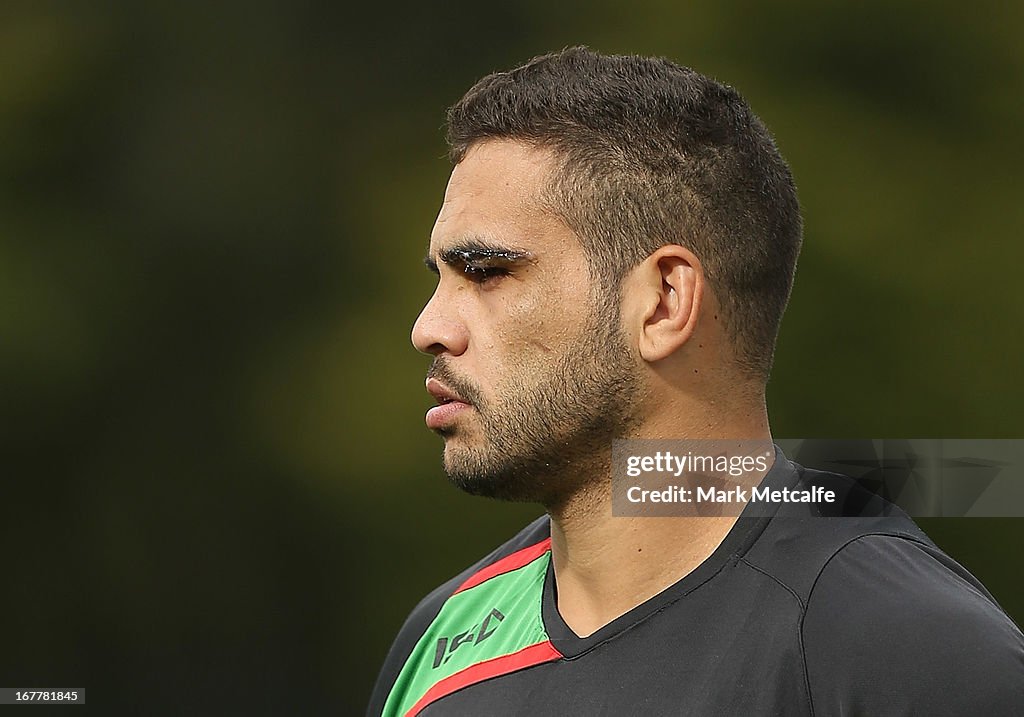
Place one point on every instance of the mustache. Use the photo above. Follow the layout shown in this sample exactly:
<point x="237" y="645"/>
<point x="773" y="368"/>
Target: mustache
<point x="443" y="372"/>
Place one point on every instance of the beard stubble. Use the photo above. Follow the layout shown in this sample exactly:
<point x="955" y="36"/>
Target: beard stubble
<point x="549" y="434"/>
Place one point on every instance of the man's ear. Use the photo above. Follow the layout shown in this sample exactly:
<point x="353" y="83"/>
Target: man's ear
<point x="665" y="293"/>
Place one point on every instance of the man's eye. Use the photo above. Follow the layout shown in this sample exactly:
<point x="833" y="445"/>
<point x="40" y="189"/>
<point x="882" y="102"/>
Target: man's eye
<point x="480" y="274"/>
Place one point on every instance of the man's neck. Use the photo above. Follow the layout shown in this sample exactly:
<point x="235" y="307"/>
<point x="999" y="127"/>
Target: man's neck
<point x="606" y="565"/>
<point x="605" y="569"/>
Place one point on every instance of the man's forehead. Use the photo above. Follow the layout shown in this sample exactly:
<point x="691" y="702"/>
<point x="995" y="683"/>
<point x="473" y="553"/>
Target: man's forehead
<point x="494" y="196"/>
<point x="499" y="174"/>
<point x="506" y="159"/>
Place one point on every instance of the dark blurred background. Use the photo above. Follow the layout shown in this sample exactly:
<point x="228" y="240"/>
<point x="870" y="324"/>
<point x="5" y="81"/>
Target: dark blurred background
<point x="218" y="493"/>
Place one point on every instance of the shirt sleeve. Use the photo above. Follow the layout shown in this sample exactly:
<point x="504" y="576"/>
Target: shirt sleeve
<point x="896" y="627"/>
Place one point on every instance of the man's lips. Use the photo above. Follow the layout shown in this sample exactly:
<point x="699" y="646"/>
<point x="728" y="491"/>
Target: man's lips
<point x="442" y="393"/>
<point x="450" y="404"/>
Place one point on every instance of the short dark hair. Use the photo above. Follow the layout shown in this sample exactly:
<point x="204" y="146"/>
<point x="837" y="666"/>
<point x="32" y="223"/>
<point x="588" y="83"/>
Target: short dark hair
<point x="650" y="153"/>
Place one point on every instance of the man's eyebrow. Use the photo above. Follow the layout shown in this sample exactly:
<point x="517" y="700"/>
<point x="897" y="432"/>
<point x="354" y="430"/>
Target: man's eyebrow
<point x="477" y="251"/>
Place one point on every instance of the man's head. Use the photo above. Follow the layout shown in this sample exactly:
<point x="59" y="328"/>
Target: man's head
<point x="574" y="174"/>
<point x="539" y="377"/>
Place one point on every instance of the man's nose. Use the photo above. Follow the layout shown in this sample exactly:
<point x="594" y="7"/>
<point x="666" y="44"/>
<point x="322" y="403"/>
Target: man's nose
<point x="438" y="330"/>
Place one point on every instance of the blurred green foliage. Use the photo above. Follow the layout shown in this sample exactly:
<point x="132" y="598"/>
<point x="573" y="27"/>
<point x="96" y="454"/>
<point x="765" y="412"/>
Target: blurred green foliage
<point x="218" y="494"/>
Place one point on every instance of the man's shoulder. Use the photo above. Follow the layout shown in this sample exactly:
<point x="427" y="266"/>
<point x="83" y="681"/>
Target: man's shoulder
<point x="532" y="540"/>
<point x="888" y="621"/>
<point x="534" y="537"/>
<point x="896" y="623"/>
<point x="528" y="544"/>
<point x="799" y="541"/>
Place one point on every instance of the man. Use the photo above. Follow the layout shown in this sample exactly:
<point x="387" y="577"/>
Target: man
<point x="615" y="250"/>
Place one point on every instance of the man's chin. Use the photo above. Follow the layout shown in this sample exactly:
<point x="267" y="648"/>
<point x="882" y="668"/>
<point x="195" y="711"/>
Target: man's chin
<point x="494" y="486"/>
<point x="461" y="463"/>
<point x="500" y="478"/>
<point x="470" y="472"/>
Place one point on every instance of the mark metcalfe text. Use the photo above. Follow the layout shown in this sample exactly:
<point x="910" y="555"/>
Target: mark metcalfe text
<point x="678" y="494"/>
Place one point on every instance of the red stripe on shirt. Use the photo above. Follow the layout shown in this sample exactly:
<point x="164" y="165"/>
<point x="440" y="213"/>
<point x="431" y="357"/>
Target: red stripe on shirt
<point x="507" y="564"/>
<point x="495" y="667"/>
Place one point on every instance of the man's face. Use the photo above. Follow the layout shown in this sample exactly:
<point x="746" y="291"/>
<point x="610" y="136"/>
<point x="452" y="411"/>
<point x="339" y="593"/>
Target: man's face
<point x="531" y="371"/>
